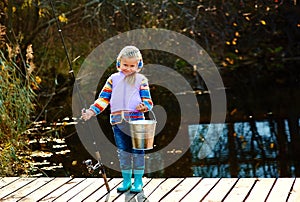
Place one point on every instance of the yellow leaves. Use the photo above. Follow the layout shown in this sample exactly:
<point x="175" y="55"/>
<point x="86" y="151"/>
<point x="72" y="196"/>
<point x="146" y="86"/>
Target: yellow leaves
<point x="229" y="60"/>
<point x="263" y="22"/>
<point x="2" y="30"/>
<point x="63" y="18"/>
<point x="2" y="35"/>
<point x="234" y="41"/>
<point x="233" y="111"/>
<point x="13" y="51"/>
<point x="224" y="64"/>
<point x="34" y="85"/>
<point x="29" y="53"/>
<point x="42" y="12"/>
<point x="26" y="3"/>
<point x="38" y="79"/>
<point x="29" y="59"/>
<point x="246" y="15"/>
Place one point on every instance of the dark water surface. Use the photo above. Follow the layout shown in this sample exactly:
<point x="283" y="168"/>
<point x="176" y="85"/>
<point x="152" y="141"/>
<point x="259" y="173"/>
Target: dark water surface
<point x="243" y="149"/>
<point x="259" y="139"/>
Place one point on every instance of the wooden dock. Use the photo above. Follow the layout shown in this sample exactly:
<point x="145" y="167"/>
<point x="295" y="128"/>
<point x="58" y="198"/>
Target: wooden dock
<point x="155" y="189"/>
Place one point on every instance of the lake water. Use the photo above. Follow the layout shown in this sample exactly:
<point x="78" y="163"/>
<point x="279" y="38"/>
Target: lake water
<point x="240" y="149"/>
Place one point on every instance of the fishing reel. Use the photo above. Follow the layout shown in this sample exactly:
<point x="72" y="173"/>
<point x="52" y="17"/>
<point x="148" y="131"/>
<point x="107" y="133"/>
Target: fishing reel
<point x="90" y="167"/>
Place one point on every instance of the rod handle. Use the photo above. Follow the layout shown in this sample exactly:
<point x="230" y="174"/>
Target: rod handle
<point x="98" y="156"/>
<point x="106" y="182"/>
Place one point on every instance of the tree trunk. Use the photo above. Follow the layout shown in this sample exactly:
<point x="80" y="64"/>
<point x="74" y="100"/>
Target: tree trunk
<point x="282" y="144"/>
<point x="232" y="151"/>
<point x="295" y="139"/>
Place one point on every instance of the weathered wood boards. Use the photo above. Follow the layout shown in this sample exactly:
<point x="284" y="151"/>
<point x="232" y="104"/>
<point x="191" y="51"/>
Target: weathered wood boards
<point x="155" y="189"/>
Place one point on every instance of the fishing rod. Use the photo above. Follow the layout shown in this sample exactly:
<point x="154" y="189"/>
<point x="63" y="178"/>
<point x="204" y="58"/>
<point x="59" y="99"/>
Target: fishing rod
<point x="89" y="163"/>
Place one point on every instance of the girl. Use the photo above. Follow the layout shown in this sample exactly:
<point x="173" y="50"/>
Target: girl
<point x="128" y="94"/>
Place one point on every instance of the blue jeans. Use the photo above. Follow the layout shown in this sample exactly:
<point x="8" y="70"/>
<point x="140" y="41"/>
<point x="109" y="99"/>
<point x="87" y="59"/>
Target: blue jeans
<point x="129" y="158"/>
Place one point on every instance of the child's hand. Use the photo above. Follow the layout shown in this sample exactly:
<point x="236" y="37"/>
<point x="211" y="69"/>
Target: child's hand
<point x="87" y="114"/>
<point x="141" y="107"/>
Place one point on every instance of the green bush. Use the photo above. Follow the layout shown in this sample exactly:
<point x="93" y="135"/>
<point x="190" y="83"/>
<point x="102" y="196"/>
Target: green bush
<point x="16" y="106"/>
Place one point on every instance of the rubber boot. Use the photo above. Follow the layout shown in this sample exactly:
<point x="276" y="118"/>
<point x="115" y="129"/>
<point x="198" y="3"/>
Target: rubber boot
<point x="126" y="184"/>
<point x="138" y="182"/>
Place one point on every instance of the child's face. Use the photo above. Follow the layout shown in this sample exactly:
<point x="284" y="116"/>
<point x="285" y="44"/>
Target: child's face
<point x="129" y="65"/>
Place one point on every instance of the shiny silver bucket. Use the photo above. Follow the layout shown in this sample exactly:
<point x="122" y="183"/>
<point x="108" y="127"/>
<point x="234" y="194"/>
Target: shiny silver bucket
<point x="142" y="133"/>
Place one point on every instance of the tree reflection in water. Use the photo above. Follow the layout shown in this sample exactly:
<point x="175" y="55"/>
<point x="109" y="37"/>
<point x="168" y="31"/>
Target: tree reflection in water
<point x="244" y="149"/>
<point x="238" y="149"/>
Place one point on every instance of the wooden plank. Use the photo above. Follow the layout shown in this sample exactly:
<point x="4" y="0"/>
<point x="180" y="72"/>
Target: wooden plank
<point x="281" y="190"/>
<point x="46" y="189"/>
<point x="164" y="188"/>
<point x="160" y="189"/>
<point x="102" y="192"/>
<point x="12" y="187"/>
<point x="240" y="190"/>
<point x="198" y="192"/>
<point x="147" y="190"/>
<point x="152" y="185"/>
<point x="89" y="190"/>
<point x="113" y="193"/>
<point x="295" y="192"/>
<point x="127" y="196"/>
<point x="29" y="188"/>
<point x="62" y="189"/>
<point x="4" y="181"/>
<point x="261" y="189"/>
<point x="182" y="189"/>
<point x="221" y="189"/>
<point x="75" y="190"/>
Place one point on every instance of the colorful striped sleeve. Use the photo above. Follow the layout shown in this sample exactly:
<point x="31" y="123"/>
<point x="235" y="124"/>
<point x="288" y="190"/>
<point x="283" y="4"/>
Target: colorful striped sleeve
<point x="145" y="94"/>
<point x="104" y="98"/>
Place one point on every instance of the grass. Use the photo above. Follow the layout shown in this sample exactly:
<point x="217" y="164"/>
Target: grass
<point x="16" y="107"/>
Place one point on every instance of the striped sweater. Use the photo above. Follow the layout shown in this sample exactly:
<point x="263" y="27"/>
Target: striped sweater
<point x="106" y="97"/>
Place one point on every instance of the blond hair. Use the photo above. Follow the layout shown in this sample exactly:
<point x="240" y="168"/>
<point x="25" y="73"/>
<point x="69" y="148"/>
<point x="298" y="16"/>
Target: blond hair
<point x="130" y="52"/>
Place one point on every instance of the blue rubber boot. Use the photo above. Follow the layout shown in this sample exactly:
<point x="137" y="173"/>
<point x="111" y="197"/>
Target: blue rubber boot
<point x="138" y="182"/>
<point x="126" y="184"/>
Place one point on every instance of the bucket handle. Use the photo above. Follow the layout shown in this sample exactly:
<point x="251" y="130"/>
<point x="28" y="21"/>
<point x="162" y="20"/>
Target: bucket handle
<point x="153" y="115"/>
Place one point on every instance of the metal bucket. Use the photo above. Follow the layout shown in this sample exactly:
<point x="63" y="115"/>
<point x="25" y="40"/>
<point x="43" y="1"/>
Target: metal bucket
<point x="142" y="133"/>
